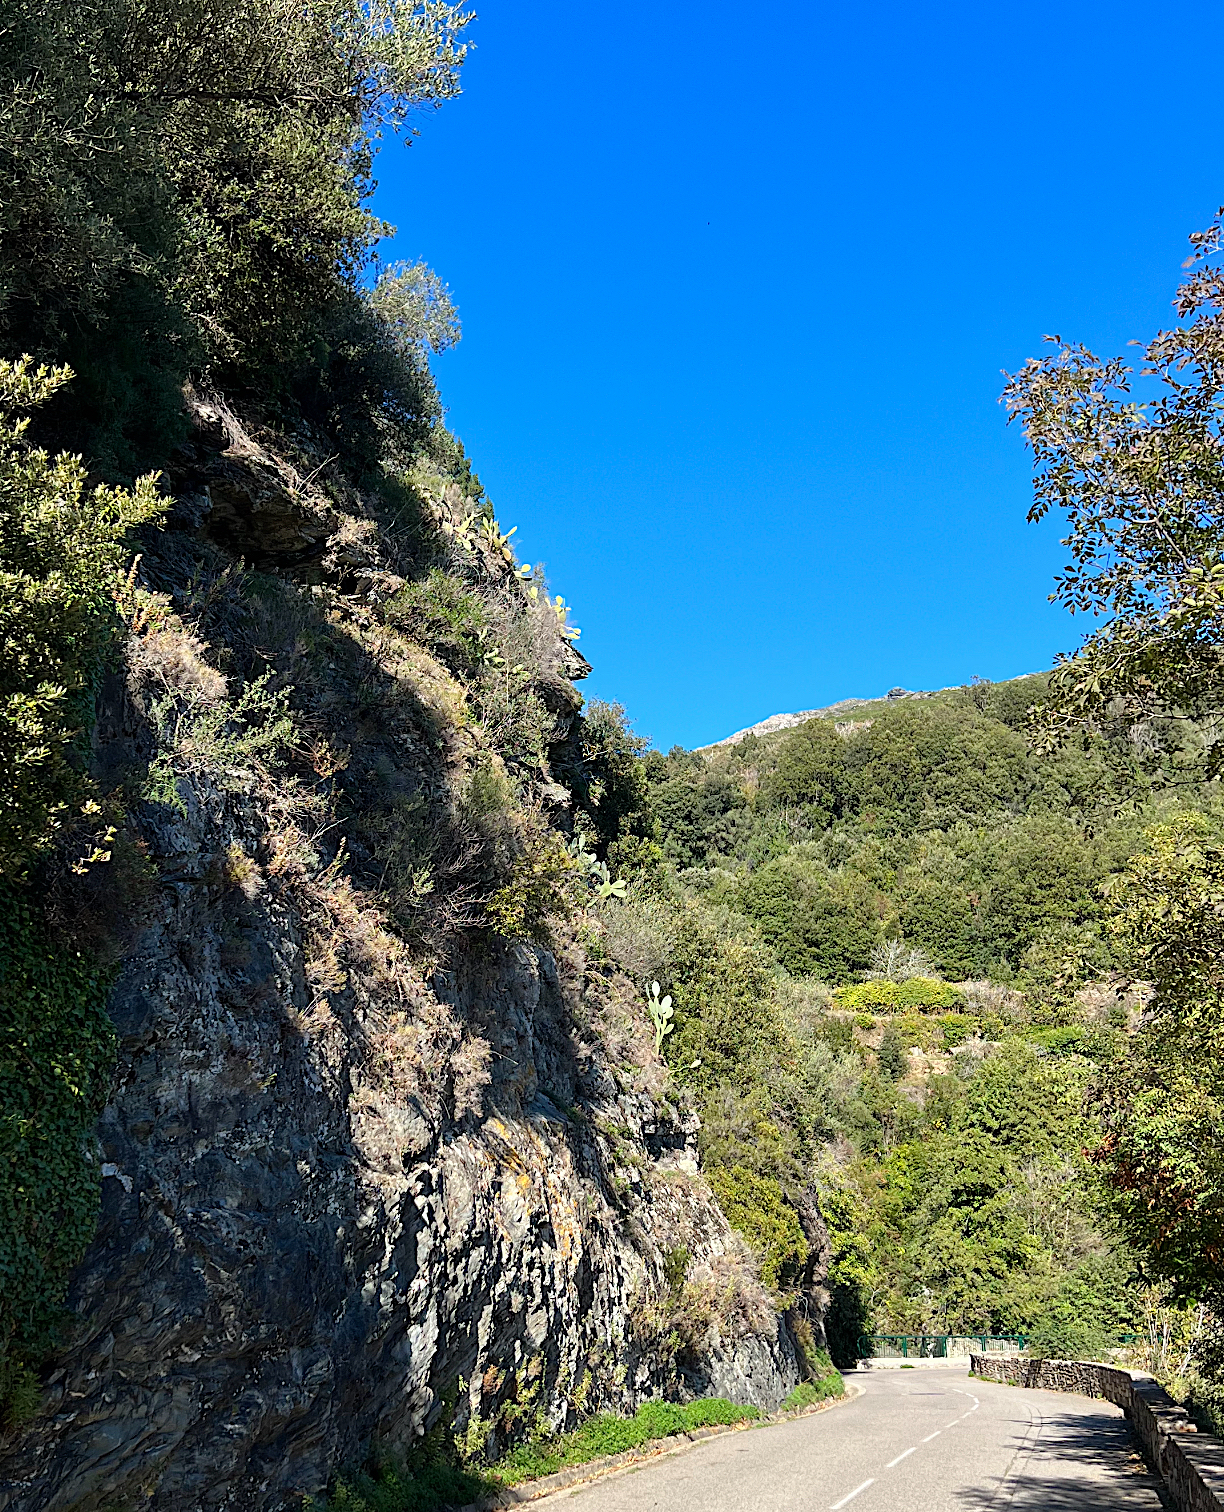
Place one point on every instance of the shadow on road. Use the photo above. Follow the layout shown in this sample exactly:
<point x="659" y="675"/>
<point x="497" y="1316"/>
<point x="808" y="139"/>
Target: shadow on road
<point x="1082" y="1462"/>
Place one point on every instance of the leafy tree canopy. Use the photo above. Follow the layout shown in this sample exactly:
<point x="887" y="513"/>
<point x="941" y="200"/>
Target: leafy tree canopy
<point x="1140" y="481"/>
<point x="182" y="187"/>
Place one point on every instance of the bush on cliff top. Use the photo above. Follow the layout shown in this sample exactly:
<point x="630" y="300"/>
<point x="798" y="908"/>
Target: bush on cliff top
<point x="183" y="186"/>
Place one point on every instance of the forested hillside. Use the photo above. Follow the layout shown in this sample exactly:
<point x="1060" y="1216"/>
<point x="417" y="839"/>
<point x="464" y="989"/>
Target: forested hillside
<point x="959" y="954"/>
<point x="887" y="941"/>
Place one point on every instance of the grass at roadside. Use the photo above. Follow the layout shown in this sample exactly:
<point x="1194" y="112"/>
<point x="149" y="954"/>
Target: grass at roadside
<point x="808" y="1393"/>
<point x="608" y="1434"/>
<point x="429" y="1481"/>
<point x="422" y="1486"/>
<point x="401" y="1488"/>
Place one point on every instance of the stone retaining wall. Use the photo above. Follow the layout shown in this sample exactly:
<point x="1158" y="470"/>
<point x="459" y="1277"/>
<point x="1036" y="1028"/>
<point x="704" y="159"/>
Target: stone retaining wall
<point x="1190" y="1463"/>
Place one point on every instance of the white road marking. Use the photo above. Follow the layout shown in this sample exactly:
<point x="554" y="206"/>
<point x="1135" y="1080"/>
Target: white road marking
<point x="904" y="1455"/>
<point x="930" y="1436"/>
<point x="853" y="1494"/>
<point x="976" y="1404"/>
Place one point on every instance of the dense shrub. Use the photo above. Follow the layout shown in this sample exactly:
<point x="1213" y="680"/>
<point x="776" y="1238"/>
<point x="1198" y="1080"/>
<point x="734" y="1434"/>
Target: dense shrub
<point x="888" y="997"/>
<point x="940" y="919"/>
<point x="755" y="1205"/>
<point x="810" y="772"/>
<point x="1048" y="875"/>
<point x="891" y="1054"/>
<point x="729" y="1032"/>
<point x="933" y="756"/>
<point x="957" y="1028"/>
<point x="1080" y="1319"/>
<point x="1011" y="702"/>
<point x="417" y="1487"/>
<point x="61" y="547"/>
<point x="826" y="1384"/>
<point x="534" y="895"/>
<point x="699" y="819"/>
<point x="444" y="615"/>
<point x="56" y="1057"/>
<point x="185" y="185"/>
<point x="819" y="923"/>
<point x="602" y="767"/>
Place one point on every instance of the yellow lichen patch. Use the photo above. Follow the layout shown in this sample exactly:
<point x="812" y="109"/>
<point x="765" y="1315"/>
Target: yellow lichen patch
<point x="560" y="1187"/>
<point x="503" y="1147"/>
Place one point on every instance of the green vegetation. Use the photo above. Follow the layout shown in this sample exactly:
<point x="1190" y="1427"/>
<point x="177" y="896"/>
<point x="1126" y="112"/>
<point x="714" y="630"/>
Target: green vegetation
<point x="809" y="1393"/>
<point x="900" y="985"/>
<point x="425" y="1482"/>
<point x="883" y="996"/>
<point x="183" y="190"/>
<point x="61" y="549"/>
<point x="755" y="1204"/>
<point x="424" y="1485"/>
<point x="944" y="974"/>
<point x="1167" y="1097"/>
<point x="1142" y="488"/>
<point x="606" y="1433"/>
<point x="182" y="201"/>
<point x="825" y="1383"/>
<point x="56" y="1056"/>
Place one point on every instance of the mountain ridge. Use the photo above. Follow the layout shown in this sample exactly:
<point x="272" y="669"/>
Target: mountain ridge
<point x="777" y="722"/>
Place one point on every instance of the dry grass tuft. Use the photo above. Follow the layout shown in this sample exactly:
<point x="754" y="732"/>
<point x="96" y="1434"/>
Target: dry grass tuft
<point x="173" y="661"/>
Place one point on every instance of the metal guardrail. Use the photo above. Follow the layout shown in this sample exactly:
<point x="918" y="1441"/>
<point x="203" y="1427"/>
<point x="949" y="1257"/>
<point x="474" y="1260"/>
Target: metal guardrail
<point x="942" y="1346"/>
<point x="936" y="1346"/>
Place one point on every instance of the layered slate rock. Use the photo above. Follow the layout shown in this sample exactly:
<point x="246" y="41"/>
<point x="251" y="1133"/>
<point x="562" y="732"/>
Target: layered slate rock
<point x="345" y="1204"/>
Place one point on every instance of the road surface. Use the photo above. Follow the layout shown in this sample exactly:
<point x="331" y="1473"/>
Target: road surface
<point x="916" y="1441"/>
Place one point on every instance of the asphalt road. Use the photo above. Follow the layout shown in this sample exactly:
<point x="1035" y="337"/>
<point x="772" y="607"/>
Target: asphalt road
<point x="916" y="1441"/>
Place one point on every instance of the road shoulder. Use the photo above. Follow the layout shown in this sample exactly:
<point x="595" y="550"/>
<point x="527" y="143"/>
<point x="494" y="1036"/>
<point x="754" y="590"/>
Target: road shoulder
<point x="657" y="1449"/>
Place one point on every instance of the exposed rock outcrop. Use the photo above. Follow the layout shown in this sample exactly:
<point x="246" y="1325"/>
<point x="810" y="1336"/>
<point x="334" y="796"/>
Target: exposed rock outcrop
<point x="843" y="706"/>
<point x="341" y="1195"/>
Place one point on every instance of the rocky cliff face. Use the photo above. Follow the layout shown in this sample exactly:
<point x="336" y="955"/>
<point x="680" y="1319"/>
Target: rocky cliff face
<point x="353" y="1179"/>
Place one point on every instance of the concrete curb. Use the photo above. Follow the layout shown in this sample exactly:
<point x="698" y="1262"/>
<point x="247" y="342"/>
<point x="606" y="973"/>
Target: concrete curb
<point x="598" y="1469"/>
<point x="948" y="1362"/>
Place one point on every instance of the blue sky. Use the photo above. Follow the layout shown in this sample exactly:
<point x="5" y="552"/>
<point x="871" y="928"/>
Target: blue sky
<point x="737" y="284"/>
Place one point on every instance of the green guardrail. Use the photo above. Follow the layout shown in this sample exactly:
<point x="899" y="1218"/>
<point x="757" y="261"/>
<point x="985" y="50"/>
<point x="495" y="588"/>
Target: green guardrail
<point x="941" y="1346"/>
<point x="935" y="1346"/>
